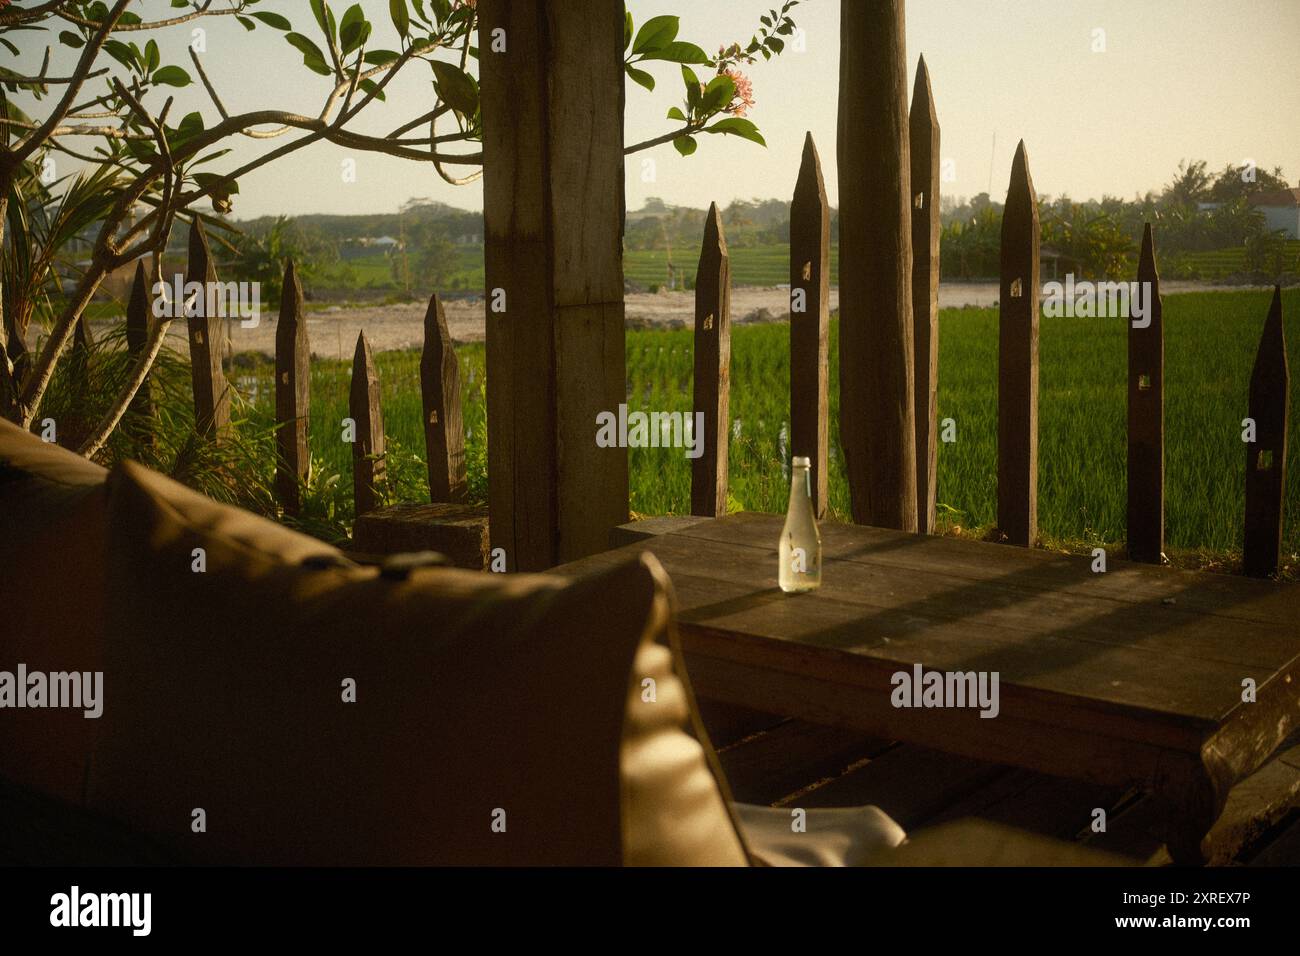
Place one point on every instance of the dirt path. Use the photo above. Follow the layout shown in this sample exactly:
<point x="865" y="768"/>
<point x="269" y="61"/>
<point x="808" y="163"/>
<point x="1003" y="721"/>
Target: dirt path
<point x="333" y="331"/>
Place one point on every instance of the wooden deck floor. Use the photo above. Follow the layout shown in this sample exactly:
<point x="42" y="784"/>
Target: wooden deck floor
<point x="781" y="761"/>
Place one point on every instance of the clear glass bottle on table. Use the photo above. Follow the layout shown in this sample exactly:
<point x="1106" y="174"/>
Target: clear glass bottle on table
<point x="801" y="542"/>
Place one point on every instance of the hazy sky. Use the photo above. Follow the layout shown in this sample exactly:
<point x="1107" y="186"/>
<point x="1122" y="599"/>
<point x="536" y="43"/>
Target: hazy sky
<point x="1178" y="79"/>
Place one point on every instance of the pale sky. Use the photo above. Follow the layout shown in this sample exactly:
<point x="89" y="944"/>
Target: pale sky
<point x="1179" y="79"/>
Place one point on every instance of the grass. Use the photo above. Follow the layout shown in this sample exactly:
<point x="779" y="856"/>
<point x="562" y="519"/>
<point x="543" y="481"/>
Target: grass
<point x="1210" y="344"/>
<point x="1210" y="338"/>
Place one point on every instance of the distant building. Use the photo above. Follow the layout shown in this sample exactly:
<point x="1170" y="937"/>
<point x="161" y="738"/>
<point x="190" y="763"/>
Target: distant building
<point x="1281" y="209"/>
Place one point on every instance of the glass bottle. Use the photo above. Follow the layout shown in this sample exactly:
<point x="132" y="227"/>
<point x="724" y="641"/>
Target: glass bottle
<point x="801" y="543"/>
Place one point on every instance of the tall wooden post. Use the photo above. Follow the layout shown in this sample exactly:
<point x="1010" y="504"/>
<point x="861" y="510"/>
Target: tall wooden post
<point x="810" y="278"/>
<point x="1018" y="359"/>
<point x="1146" y="413"/>
<point x="1270" y="388"/>
<point x="877" y="417"/>
<point x="552" y="101"/>
<point x="444" y="432"/>
<point x="923" y="129"/>
<point x="207" y="340"/>
<point x="367" y="414"/>
<point x="712" y="379"/>
<point x="292" y="393"/>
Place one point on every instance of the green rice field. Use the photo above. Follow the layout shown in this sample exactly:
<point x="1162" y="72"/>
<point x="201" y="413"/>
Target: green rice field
<point x="1210" y="344"/>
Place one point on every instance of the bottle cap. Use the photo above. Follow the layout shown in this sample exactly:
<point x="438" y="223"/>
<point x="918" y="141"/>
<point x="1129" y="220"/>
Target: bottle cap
<point x="801" y="461"/>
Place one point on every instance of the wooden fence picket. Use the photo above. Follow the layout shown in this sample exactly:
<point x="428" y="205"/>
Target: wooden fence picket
<point x="444" y="435"/>
<point x="810" y="276"/>
<point x="1270" y="384"/>
<point x="712" y="382"/>
<point x="292" y="393"/>
<point x="368" y="417"/>
<point x="1018" y="359"/>
<point x="207" y="340"/>
<point x="1146" y="414"/>
<point x="137" y="340"/>
<point x="923" y="136"/>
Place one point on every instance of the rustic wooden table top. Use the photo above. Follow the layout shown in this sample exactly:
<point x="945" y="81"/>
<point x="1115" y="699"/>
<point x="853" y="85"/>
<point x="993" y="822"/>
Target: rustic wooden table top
<point x="1137" y="675"/>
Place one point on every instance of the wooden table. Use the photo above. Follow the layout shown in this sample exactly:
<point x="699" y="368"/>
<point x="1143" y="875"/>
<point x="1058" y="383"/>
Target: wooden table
<point x="1134" y="676"/>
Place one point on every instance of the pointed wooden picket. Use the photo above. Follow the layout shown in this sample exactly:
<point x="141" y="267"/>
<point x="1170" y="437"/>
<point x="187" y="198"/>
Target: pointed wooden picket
<point x="712" y="369"/>
<point x="810" y="276"/>
<point x="923" y="136"/>
<point x="1270" y="384"/>
<point x="137" y="340"/>
<point x="1018" y="359"/>
<point x="444" y="436"/>
<point x="877" y="402"/>
<point x="207" y="340"/>
<point x="368" y="418"/>
<point x="1146" y="412"/>
<point x="292" y="393"/>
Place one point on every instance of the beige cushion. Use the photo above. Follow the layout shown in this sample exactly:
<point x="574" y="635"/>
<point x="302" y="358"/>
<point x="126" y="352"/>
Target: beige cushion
<point x="475" y="693"/>
<point x="51" y="600"/>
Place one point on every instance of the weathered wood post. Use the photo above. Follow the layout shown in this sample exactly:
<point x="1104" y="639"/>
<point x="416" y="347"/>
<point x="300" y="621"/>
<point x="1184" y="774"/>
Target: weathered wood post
<point x="712" y="380"/>
<point x="923" y="136"/>
<point x="1146" y="412"/>
<point x="137" y="340"/>
<point x="207" y="340"/>
<point x="810" y="277"/>
<point x="1018" y="359"/>
<point x="292" y="393"/>
<point x="1270" y="385"/>
<point x="552" y="103"/>
<point x="877" y="418"/>
<point x="444" y="434"/>
<point x="368" y="421"/>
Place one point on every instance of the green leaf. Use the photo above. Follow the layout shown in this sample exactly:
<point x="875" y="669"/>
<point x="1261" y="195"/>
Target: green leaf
<point x="68" y="38"/>
<point x="775" y="44"/>
<point x="312" y="56"/>
<point x="737" y="126"/>
<point x="370" y="86"/>
<point x="352" y="29"/>
<point x="627" y="29"/>
<point x="401" y="18"/>
<point x="151" y="57"/>
<point x="380" y="57"/>
<point x="679" y="52"/>
<point x="720" y="91"/>
<point x="685" y="145"/>
<point x="120" y="52"/>
<point x="456" y="88"/>
<point x="692" y="83"/>
<point x="641" y="77"/>
<point x="655" y="34"/>
<point x="273" y="20"/>
<point x="172" y="76"/>
<point x="246" y="23"/>
<point x="318" y="11"/>
<point x="675" y="112"/>
<point x="216" y="154"/>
